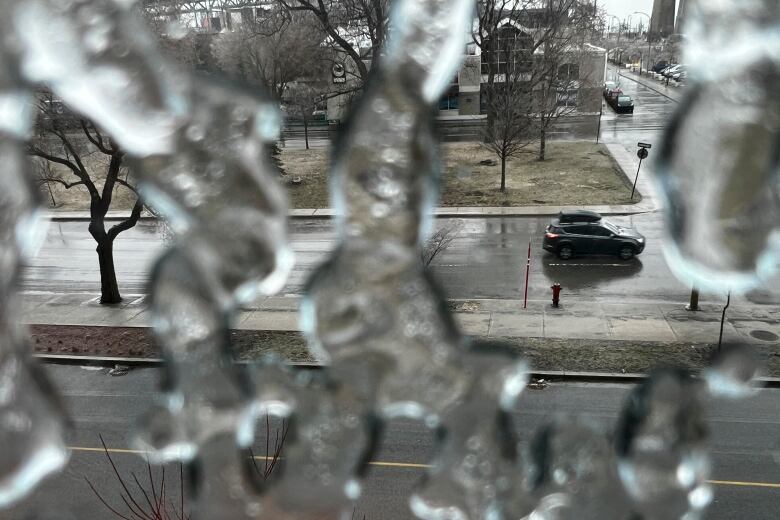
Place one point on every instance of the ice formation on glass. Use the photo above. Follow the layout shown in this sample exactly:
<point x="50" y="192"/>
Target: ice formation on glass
<point x="99" y="57"/>
<point x="31" y="422"/>
<point x="733" y="372"/>
<point x="661" y="446"/>
<point x="477" y="473"/>
<point x="371" y="311"/>
<point x="219" y="194"/>
<point x="572" y="473"/>
<point x="719" y="163"/>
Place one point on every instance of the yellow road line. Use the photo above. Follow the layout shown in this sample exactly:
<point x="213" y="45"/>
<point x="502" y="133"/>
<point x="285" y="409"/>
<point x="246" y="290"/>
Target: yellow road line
<point x="412" y="465"/>
<point x="744" y="484"/>
<point x="400" y="465"/>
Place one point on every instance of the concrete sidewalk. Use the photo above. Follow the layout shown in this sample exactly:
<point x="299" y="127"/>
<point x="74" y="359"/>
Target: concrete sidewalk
<point x="667" y="322"/>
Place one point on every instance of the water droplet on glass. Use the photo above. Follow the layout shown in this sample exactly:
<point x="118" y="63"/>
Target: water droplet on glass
<point x="733" y="372"/>
<point x="661" y="444"/>
<point x="718" y="170"/>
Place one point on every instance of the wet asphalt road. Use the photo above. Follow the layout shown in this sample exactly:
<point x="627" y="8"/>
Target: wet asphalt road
<point x="487" y="260"/>
<point x="744" y="436"/>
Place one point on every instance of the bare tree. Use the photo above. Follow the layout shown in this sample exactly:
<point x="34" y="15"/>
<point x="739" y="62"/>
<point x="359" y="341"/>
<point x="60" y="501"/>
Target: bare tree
<point x="355" y="28"/>
<point x="439" y="241"/>
<point x="512" y="126"/>
<point x="559" y="88"/>
<point x="532" y="56"/>
<point x="67" y="142"/>
<point x="301" y="100"/>
<point x="559" y="72"/>
<point x="272" y="51"/>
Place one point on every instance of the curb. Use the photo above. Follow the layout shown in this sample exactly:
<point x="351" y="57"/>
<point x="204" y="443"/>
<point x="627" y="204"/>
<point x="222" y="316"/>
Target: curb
<point x="553" y="211"/>
<point x="552" y="375"/>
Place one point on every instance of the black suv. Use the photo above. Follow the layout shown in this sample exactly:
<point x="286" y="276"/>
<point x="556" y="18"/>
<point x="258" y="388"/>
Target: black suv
<point x="586" y="233"/>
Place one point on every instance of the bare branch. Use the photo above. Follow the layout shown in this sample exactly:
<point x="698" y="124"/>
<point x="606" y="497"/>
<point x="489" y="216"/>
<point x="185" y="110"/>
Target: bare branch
<point x="127" y="185"/>
<point x="135" y="215"/>
<point x="439" y="241"/>
<point x="55" y="180"/>
<point x="97" y="139"/>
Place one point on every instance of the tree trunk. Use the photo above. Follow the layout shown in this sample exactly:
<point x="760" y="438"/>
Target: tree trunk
<point x="109" y="289"/>
<point x="542" y="144"/>
<point x="306" y="130"/>
<point x="503" y="173"/>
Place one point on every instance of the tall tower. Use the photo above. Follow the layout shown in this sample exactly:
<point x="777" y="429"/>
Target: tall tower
<point x="679" y="24"/>
<point x="662" y="22"/>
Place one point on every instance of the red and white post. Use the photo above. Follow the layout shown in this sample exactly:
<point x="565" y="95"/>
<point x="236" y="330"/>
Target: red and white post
<point x="527" y="273"/>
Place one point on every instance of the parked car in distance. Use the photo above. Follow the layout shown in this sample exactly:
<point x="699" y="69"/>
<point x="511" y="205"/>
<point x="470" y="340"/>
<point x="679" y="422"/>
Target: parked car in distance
<point x="671" y="70"/>
<point x="680" y="74"/>
<point x="621" y="103"/>
<point x="608" y="86"/>
<point x="613" y="92"/>
<point x="587" y="233"/>
<point x="661" y="65"/>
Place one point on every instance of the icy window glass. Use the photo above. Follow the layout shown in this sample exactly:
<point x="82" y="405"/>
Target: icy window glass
<point x="372" y="313"/>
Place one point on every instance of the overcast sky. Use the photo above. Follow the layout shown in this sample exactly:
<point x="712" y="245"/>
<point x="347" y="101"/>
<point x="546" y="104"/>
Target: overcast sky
<point x="623" y="8"/>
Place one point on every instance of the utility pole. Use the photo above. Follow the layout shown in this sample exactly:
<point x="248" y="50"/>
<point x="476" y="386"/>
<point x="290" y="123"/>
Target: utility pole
<point x="642" y="153"/>
<point x="601" y="113"/>
<point x="694" y="303"/>
<point x="723" y="320"/>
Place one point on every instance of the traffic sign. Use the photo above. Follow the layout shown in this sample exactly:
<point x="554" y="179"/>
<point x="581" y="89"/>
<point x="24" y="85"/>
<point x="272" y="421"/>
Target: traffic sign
<point x="644" y="145"/>
<point x="642" y="153"/>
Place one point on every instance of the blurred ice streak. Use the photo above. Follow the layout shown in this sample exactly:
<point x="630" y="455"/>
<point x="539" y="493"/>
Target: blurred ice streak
<point x="733" y="373"/>
<point x="572" y="471"/>
<point x="427" y="42"/>
<point x="98" y="56"/>
<point x="222" y="198"/>
<point x="478" y="472"/>
<point x="718" y="168"/>
<point x="372" y="311"/>
<point x="31" y="421"/>
<point x="661" y="443"/>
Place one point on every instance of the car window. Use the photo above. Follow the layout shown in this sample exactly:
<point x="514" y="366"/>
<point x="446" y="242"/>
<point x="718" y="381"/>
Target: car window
<point x="578" y="230"/>
<point x="599" y="231"/>
<point x="611" y="227"/>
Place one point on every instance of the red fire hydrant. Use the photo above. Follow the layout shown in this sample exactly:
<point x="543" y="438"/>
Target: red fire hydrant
<point x="556" y="290"/>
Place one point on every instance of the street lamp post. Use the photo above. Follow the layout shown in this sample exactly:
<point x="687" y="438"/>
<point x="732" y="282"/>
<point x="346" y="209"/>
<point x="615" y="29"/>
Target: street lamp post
<point x="649" y="39"/>
<point x="617" y="45"/>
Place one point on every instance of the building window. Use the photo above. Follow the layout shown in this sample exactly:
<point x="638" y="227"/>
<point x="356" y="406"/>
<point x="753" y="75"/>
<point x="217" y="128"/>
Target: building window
<point x="449" y="101"/>
<point x="568" y="73"/>
<point x="568" y="98"/>
<point x="510" y="51"/>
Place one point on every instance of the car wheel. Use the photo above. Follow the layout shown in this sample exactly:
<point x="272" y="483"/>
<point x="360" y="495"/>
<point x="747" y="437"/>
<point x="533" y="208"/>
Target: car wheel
<point x="627" y="253"/>
<point x="565" y="252"/>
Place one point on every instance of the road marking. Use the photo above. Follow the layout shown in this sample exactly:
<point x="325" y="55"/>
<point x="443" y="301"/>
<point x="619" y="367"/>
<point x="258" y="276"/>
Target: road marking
<point x="413" y="465"/>
<point x="744" y="484"/>
<point x="590" y="265"/>
<point x="400" y="465"/>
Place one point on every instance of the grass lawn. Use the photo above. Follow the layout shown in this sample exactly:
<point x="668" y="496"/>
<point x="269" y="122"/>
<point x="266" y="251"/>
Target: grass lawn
<point x="575" y="173"/>
<point x="544" y="353"/>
